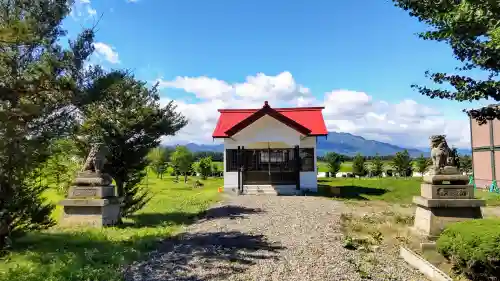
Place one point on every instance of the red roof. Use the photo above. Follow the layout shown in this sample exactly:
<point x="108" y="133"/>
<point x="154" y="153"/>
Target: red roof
<point x="306" y="120"/>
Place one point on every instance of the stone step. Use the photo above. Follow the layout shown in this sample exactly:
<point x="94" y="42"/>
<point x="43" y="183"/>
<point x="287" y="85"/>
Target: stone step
<point x="255" y="192"/>
<point x="259" y="190"/>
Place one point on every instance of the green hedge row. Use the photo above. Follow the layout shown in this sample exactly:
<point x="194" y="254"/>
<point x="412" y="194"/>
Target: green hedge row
<point x="473" y="247"/>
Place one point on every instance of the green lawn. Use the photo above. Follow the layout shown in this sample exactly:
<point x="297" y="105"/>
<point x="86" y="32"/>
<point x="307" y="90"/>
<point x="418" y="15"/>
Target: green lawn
<point x="62" y="254"/>
<point x="492" y="199"/>
<point x="93" y="254"/>
<point x="347" y="166"/>
<point x="391" y="190"/>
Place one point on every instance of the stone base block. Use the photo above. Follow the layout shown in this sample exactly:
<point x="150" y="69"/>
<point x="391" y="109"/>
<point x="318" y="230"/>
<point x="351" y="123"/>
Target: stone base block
<point x="447" y="179"/>
<point x="91" y="192"/>
<point x="448" y="203"/>
<point x="431" y="221"/>
<point x="90" y="212"/>
<point x="436" y="191"/>
<point x="87" y="178"/>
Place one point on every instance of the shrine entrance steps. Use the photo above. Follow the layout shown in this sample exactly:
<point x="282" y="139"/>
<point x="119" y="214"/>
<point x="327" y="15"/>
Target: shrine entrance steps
<point x="269" y="190"/>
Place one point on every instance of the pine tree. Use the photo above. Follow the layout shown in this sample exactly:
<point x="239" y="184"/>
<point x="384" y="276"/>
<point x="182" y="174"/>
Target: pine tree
<point x="62" y="165"/>
<point x="466" y="163"/>
<point x="183" y="160"/>
<point x="215" y="169"/>
<point x="402" y="163"/>
<point x="377" y="166"/>
<point x="422" y="164"/>
<point x="204" y="167"/>
<point x="334" y="162"/>
<point x="359" y="165"/>
<point x="130" y="122"/>
<point x="158" y="158"/>
<point x="40" y="84"/>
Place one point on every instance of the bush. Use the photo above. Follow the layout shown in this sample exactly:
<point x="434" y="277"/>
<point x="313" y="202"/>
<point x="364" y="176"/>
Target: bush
<point x="204" y="167"/>
<point x="473" y="247"/>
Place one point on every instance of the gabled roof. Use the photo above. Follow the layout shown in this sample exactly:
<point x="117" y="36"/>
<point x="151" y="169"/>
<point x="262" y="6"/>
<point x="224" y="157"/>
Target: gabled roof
<point x="306" y="120"/>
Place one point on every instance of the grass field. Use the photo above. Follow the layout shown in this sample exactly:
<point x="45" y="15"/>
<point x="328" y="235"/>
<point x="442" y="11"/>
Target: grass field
<point x="93" y="254"/>
<point x="391" y="190"/>
<point x="347" y="166"/>
<point x="97" y="254"/>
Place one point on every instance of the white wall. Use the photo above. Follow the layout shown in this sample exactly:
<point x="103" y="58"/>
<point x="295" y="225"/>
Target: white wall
<point x="266" y="129"/>
<point x="269" y="132"/>
<point x="309" y="180"/>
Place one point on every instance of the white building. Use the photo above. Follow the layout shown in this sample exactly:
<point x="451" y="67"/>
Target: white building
<point x="270" y="148"/>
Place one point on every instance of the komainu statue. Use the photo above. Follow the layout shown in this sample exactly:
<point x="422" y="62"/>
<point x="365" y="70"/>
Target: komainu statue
<point x="96" y="159"/>
<point x="439" y="153"/>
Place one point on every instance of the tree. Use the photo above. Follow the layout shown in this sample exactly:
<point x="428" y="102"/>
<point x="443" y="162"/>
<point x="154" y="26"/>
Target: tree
<point x="182" y="158"/>
<point x="359" y="165"/>
<point x="41" y="82"/>
<point x="204" y="167"/>
<point x="215" y="169"/>
<point x="130" y="121"/>
<point x="334" y="162"/>
<point x="471" y="30"/>
<point x="377" y="166"/>
<point x="466" y="163"/>
<point x="61" y="166"/>
<point x="422" y="164"/>
<point x="402" y="163"/>
<point x="159" y="158"/>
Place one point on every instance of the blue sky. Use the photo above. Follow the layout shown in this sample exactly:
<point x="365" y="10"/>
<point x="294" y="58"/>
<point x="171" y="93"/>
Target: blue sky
<point x="365" y="52"/>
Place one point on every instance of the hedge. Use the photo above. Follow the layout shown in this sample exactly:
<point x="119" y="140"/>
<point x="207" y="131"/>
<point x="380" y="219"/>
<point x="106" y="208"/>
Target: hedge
<point x="473" y="248"/>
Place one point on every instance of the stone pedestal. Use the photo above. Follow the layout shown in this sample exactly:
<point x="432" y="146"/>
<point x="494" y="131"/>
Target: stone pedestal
<point x="91" y="202"/>
<point x="445" y="199"/>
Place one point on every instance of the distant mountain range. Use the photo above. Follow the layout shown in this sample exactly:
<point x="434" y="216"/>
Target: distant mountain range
<point x="342" y="143"/>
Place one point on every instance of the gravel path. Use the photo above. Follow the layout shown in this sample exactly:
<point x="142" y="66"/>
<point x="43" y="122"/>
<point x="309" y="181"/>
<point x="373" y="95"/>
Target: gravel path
<point x="267" y="238"/>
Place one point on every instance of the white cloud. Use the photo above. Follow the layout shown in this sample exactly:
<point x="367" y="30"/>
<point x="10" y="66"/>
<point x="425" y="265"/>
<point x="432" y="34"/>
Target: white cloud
<point x="203" y="87"/>
<point x="106" y="51"/>
<point x="405" y="123"/>
<point x="255" y="88"/>
<point x="91" y="11"/>
<point x="82" y="9"/>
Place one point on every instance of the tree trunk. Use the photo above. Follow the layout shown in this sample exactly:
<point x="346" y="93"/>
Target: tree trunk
<point x="120" y="193"/>
<point x="119" y="187"/>
<point x="5" y="222"/>
<point x="185" y="177"/>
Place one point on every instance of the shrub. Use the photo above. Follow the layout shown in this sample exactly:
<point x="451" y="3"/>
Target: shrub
<point x="204" y="167"/>
<point x="359" y="165"/>
<point x="334" y="162"/>
<point x="473" y="247"/>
